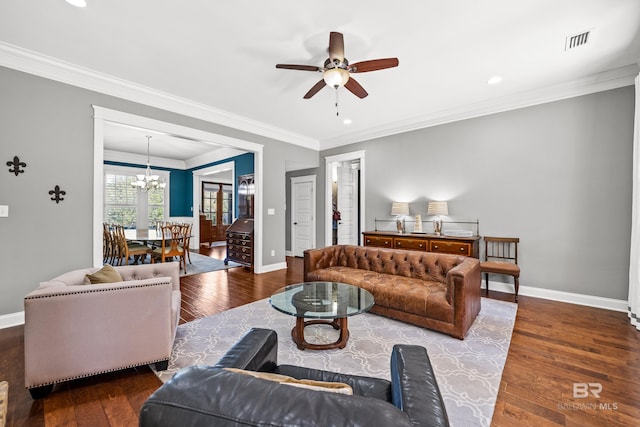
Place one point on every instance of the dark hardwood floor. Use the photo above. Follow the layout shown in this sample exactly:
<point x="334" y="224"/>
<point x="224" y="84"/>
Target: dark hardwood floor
<point x="554" y="345"/>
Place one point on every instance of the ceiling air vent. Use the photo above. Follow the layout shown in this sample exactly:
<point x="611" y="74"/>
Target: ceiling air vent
<point x="576" y="40"/>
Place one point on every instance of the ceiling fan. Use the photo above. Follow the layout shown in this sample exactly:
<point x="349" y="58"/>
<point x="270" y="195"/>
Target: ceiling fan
<point x="337" y="71"/>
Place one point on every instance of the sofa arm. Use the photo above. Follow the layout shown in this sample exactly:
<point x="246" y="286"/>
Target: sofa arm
<point x="414" y="387"/>
<point x="317" y="259"/>
<point x="76" y="331"/>
<point x="257" y="350"/>
<point x="461" y="277"/>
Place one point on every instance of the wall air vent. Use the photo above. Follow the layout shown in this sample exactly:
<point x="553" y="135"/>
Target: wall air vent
<point x="576" y="40"/>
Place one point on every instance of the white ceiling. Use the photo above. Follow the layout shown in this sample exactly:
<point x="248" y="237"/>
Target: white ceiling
<point x="121" y="138"/>
<point x="221" y="56"/>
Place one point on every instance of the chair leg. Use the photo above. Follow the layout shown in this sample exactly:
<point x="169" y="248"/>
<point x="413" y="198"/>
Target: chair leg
<point x="517" y="285"/>
<point x="41" y="392"/>
<point x="486" y="278"/>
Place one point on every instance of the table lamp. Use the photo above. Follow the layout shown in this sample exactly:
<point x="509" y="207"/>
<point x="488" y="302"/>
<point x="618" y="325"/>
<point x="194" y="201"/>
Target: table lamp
<point x="400" y="209"/>
<point x="437" y="209"/>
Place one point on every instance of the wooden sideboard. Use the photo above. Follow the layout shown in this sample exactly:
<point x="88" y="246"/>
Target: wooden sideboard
<point x="467" y="246"/>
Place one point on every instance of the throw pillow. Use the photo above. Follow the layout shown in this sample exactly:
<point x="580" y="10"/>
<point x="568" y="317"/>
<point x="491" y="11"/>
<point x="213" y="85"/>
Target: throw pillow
<point x="340" y="388"/>
<point x="106" y="274"/>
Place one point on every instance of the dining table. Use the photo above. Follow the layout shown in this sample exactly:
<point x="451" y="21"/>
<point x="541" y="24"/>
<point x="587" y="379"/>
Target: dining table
<point x="143" y="235"/>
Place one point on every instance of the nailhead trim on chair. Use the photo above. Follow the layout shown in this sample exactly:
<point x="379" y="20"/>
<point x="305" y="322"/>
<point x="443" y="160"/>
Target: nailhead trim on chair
<point x="90" y="291"/>
<point x="97" y="373"/>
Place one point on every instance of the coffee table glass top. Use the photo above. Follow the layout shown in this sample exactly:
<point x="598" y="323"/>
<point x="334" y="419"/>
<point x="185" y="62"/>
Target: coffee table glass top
<point x="322" y="300"/>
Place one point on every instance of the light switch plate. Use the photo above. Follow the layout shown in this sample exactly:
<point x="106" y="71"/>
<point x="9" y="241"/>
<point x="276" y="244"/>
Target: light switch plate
<point x="271" y="211"/>
<point x="4" y="211"/>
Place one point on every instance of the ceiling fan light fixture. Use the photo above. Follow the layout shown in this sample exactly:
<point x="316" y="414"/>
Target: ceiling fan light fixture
<point x="335" y="77"/>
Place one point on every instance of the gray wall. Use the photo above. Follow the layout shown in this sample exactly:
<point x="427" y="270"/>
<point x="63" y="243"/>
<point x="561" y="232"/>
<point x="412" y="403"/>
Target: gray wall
<point x="557" y="175"/>
<point x="49" y="125"/>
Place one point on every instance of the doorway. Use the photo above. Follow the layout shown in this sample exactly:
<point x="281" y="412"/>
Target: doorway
<point x="303" y="208"/>
<point x="102" y="115"/>
<point x="217" y="209"/>
<point x="344" y="198"/>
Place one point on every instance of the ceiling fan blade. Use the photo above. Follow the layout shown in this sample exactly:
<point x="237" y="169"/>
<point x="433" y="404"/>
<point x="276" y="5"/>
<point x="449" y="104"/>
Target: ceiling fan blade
<point x="298" y="67"/>
<point x="373" y="65"/>
<point x="354" y="87"/>
<point x="315" y="89"/>
<point x="336" y="46"/>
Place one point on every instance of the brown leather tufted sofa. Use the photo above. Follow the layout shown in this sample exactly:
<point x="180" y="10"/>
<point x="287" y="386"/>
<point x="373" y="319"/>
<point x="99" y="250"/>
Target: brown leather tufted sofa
<point x="431" y="290"/>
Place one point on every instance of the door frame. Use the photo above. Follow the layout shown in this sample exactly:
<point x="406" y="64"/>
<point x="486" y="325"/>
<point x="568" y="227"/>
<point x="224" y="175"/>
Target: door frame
<point x="198" y="176"/>
<point x="296" y="180"/>
<point x="328" y="212"/>
<point x="102" y="115"/>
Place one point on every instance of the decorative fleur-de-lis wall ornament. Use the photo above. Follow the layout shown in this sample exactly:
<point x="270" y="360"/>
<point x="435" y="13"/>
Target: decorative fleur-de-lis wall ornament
<point x="17" y="165"/>
<point x="57" y="192"/>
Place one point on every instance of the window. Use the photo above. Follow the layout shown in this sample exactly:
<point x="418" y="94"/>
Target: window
<point x="217" y="202"/>
<point x="125" y="205"/>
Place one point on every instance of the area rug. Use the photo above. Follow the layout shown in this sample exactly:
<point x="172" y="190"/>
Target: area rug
<point x="468" y="371"/>
<point x="4" y="401"/>
<point x="203" y="264"/>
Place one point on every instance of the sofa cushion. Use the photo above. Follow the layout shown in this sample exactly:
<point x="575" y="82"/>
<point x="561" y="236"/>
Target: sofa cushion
<point x="416" y="296"/>
<point x="106" y="274"/>
<point x="333" y="387"/>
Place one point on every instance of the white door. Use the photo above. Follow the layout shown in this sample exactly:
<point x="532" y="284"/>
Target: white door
<point x="347" y="205"/>
<point x="303" y="224"/>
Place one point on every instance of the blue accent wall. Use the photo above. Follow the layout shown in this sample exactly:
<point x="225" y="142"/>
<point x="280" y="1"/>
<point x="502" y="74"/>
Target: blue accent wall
<point x="180" y="193"/>
<point x="181" y="182"/>
<point x="244" y="164"/>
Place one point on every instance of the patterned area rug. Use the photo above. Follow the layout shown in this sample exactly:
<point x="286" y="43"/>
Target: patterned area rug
<point x="202" y="264"/>
<point x="4" y="398"/>
<point x="468" y="371"/>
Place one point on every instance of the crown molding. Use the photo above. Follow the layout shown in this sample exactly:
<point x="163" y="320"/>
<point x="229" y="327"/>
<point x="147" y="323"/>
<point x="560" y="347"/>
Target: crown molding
<point x="44" y="66"/>
<point x="607" y="80"/>
<point x="31" y="62"/>
<point x="212" y="157"/>
<point x="141" y="159"/>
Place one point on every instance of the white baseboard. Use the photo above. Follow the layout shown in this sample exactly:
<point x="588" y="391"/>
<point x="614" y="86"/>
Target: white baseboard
<point x="288" y="253"/>
<point x="550" y="294"/>
<point x="271" y="267"/>
<point x="11" y="319"/>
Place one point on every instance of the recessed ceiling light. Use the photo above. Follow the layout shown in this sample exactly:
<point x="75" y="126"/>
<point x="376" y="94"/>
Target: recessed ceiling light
<point x="78" y="3"/>
<point x="494" y="80"/>
<point x="347" y="121"/>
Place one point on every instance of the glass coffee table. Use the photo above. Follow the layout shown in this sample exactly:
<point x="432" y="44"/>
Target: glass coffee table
<point x="324" y="303"/>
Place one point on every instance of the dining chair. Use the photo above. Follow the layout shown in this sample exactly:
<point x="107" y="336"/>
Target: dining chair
<point x="186" y="232"/>
<point x="171" y="245"/>
<point x="112" y="250"/>
<point x="129" y="249"/>
<point x="501" y="257"/>
<point x="107" y="244"/>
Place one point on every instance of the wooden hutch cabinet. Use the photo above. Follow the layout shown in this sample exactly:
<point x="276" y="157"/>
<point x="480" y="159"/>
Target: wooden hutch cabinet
<point x="240" y="242"/>
<point x="240" y="233"/>
<point x="467" y="246"/>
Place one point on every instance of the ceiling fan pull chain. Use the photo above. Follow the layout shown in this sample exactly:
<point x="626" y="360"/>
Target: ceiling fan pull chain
<point x="337" y="111"/>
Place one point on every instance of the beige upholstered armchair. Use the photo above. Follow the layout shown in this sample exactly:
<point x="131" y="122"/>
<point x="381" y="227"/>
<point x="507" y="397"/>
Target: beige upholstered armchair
<point x="74" y="330"/>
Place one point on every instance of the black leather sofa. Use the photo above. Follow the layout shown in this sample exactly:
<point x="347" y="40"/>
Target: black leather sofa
<point x="213" y="396"/>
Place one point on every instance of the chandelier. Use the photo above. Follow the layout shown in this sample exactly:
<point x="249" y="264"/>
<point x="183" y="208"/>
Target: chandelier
<point x="147" y="181"/>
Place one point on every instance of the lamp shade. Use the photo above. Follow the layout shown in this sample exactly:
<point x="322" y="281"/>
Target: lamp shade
<point x="437" y="208"/>
<point x="400" y="208"/>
